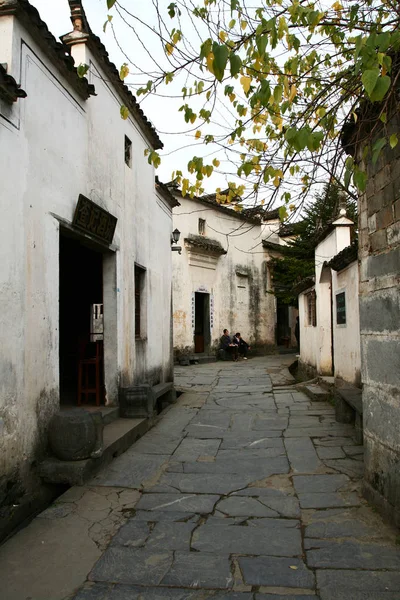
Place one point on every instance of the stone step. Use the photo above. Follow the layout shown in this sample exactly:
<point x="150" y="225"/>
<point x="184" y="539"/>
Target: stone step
<point x="315" y="392"/>
<point x="118" y="436"/>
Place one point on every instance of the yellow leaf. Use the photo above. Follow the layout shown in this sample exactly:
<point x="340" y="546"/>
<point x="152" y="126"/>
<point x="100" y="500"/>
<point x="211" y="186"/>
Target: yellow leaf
<point x="216" y="162"/>
<point x="246" y="82"/>
<point x="293" y="567"/>
<point x="124" y="112"/>
<point x="169" y="48"/>
<point x="243" y="25"/>
<point x="210" y="60"/>
<point x="124" y="71"/>
<point x="293" y="92"/>
<point x="222" y="36"/>
<point x="197" y="134"/>
<point x="337" y="6"/>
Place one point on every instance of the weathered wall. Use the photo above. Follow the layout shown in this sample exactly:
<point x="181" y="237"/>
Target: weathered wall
<point x="316" y="341"/>
<point x="379" y="253"/>
<point x="55" y="146"/>
<point x="237" y="281"/>
<point x="346" y="337"/>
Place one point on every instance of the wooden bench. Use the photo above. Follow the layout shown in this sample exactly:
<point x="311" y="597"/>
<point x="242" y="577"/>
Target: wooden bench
<point x="145" y="400"/>
<point x="349" y="408"/>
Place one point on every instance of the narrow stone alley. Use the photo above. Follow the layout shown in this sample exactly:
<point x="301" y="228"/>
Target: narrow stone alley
<point x="241" y="491"/>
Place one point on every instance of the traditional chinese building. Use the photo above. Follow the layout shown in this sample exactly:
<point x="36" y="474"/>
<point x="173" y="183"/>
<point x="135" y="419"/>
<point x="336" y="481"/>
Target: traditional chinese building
<point x="222" y="280"/>
<point x="328" y="307"/>
<point x="86" y="261"/>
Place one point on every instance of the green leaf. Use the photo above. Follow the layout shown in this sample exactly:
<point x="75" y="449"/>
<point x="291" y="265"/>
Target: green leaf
<point x="376" y="149"/>
<point x="236" y="64"/>
<point x="393" y="140"/>
<point x="124" y="112"/>
<point x="380" y="89"/>
<point x="110" y="3"/>
<point x="82" y="70"/>
<point x="282" y="213"/>
<point x="220" y="59"/>
<point x="369" y="79"/>
<point x="360" y="180"/>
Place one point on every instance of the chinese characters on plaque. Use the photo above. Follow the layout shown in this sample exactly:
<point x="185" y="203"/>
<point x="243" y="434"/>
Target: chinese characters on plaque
<point x="94" y="220"/>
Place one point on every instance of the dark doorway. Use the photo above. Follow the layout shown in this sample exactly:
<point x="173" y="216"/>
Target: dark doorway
<point x="283" y="329"/>
<point x="202" y="322"/>
<point x="81" y="302"/>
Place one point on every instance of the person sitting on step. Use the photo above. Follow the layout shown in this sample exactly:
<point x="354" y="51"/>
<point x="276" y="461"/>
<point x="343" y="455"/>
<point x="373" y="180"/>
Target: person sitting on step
<point x="243" y="346"/>
<point x="228" y="346"/>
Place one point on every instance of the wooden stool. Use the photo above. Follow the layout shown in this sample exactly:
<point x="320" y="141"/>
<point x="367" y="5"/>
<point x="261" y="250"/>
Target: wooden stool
<point x="84" y="365"/>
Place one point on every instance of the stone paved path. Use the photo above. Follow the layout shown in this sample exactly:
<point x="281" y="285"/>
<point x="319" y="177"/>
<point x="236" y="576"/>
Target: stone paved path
<point x="246" y="493"/>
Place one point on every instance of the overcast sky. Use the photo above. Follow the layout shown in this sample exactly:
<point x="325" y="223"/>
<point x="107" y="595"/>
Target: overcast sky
<point x="179" y="144"/>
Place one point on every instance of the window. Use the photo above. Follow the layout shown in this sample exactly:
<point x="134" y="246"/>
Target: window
<point x="341" y="308"/>
<point x="202" y="226"/>
<point x="140" y="321"/>
<point x="311" y="299"/>
<point x="128" y="152"/>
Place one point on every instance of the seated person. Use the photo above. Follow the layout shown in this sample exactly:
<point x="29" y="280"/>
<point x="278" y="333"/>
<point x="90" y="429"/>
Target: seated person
<point x="227" y="344"/>
<point x="242" y="345"/>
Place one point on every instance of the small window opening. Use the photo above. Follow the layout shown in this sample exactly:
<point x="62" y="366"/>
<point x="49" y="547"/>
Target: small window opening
<point x="312" y="309"/>
<point x="128" y="151"/>
<point x="202" y="226"/>
<point x="139" y="302"/>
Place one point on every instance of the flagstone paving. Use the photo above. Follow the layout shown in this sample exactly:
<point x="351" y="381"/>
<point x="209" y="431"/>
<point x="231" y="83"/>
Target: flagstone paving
<point x="240" y="492"/>
<point x="246" y="493"/>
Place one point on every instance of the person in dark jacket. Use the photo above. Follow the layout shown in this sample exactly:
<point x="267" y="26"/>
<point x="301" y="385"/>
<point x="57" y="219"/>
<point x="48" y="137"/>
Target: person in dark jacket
<point x="227" y="344"/>
<point x="242" y="345"/>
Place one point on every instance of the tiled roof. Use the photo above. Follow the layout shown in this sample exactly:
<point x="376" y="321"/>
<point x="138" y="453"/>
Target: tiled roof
<point x="10" y="90"/>
<point x="166" y="193"/>
<point x="99" y="50"/>
<point x="272" y="246"/>
<point x="344" y="258"/>
<point x="58" y="53"/>
<point x="200" y="241"/>
<point x="304" y="285"/>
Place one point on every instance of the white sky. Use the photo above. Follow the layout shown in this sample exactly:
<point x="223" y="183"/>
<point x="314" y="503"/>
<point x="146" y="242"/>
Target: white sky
<point x="179" y="145"/>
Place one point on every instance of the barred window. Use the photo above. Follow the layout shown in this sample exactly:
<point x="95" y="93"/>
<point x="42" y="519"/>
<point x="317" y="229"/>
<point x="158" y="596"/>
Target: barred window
<point x="202" y="226"/>
<point x="312" y="308"/>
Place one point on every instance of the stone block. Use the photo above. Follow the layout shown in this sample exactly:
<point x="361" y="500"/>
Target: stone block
<point x="378" y="240"/>
<point x="384" y="217"/>
<point x="276" y="572"/>
<point x="349" y="554"/>
<point x="277" y="537"/>
<point x="375" y="203"/>
<point x="382" y="360"/>
<point x="355" y="585"/>
<point x="396" y="207"/>
<point x="136" y="401"/>
<point x="344" y="413"/>
<point x="121" y="564"/>
<point x="384" y="264"/>
<point x="195" y="570"/>
<point x="393" y="234"/>
<point x="372" y="223"/>
<point x="76" y="435"/>
<point x="381" y="470"/>
<point x="383" y="177"/>
<point x="380" y="311"/>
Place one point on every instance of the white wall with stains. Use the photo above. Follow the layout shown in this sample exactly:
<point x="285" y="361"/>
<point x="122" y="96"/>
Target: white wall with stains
<point x="54" y="146"/>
